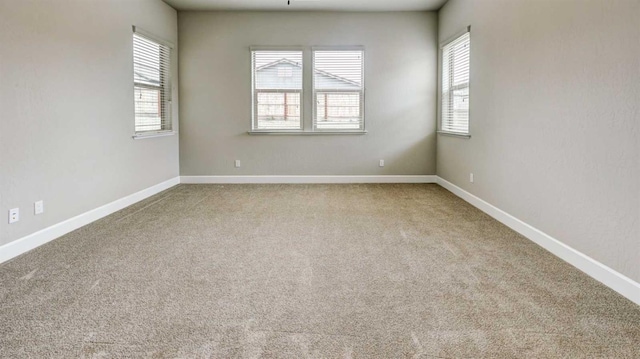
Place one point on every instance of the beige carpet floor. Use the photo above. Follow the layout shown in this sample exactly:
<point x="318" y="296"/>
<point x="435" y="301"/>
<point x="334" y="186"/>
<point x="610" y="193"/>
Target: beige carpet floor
<point x="305" y="271"/>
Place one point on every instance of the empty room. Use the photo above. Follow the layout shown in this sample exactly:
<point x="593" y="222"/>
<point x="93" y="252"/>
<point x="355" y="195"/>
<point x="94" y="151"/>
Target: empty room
<point x="320" y="179"/>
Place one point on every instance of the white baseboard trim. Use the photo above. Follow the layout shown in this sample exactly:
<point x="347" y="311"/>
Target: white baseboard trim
<point x="31" y="241"/>
<point x="306" y="179"/>
<point x="600" y="272"/>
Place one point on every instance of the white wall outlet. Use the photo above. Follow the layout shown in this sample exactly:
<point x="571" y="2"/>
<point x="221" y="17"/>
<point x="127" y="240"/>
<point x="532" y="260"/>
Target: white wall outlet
<point x="38" y="207"/>
<point x="237" y="164"/>
<point x="381" y="163"/>
<point x="14" y="215"/>
<point x="471" y="177"/>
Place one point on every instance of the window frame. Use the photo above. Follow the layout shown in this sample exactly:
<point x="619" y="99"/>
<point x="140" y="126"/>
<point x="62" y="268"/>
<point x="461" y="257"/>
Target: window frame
<point x="254" y="92"/>
<point x="166" y="90"/>
<point x="314" y="92"/>
<point x="306" y="120"/>
<point x="440" y="92"/>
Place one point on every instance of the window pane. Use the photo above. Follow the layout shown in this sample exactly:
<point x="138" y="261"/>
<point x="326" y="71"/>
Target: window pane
<point x="338" y="69"/>
<point x="285" y="71"/>
<point x="277" y="90"/>
<point x="460" y="64"/>
<point x="146" y="61"/>
<point x="151" y="63"/>
<point x="148" y="109"/>
<point x="455" y="85"/>
<point x="277" y="110"/>
<point x="338" y="110"/>
<point x="272" y="69"/>
<point x="459" y="115"/>
<point x="338" y="85"/>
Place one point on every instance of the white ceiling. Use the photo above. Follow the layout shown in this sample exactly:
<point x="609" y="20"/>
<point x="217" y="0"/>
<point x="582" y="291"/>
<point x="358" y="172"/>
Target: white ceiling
<point x="308" y="5"/>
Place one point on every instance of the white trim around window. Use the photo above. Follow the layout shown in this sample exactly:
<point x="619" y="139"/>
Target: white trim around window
<point x="152" y="60"/>
<point x="454" y="85"/>
<point x="279" y="78"/>
<point x="338" y="89"/>
<point x="277" y="89"/>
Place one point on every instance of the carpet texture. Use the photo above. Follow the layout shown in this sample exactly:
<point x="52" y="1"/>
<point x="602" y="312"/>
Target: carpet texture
<point x="305" y="271"/>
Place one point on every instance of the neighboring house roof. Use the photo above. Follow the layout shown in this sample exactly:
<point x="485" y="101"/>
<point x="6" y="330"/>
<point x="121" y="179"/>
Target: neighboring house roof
<point x="321" y="72"/>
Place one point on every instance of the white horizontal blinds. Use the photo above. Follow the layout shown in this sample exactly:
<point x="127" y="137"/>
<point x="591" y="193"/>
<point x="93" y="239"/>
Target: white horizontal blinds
<point x="152" y="94"/>
<point x="277" y="90"/>
<point x="455" y="85"/>
<point x="338" y="81"/>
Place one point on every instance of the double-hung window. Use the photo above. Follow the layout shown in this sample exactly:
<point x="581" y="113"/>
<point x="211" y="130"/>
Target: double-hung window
<point x="454" y="106"/>
<point x="151" y="84"/>
<point x="277" y="90"/>
<point x="338" y="89"/>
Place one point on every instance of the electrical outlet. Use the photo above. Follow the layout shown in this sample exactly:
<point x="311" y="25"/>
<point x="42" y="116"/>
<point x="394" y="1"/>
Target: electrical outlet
<point x="381" y="163"/>
<point x="14" y="215"/>
<point x="237" y="164"/>
<point x="38" y="207"/>
<point x="471" y="177"/>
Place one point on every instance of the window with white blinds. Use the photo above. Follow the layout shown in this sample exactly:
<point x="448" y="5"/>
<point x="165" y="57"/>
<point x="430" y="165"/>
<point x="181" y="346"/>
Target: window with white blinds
<point x="277" y="90"/>
<point x="152" y="84"/>
<point x="338" y="89"/>
<point x="454" y="115"/>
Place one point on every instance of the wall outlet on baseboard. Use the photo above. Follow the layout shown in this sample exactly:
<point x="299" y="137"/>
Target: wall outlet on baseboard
<point x="14" y="215"/>
<point x="237" y="163"/>
<point x="471" y="177"/>
<point x="38" y="207"/>
<point x="381" y="163"/>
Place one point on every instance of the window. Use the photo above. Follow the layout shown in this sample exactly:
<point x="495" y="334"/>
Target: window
<point x="277" y="90"/>
<point x="454" y="108"/>
<point x="338" y="89"/>
<point x="285" y="71"/>
<point x="151" y="84"/>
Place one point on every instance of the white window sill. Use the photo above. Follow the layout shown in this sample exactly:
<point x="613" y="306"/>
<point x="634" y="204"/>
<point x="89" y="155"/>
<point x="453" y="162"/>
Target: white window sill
<point x="454" y="134"/>
<point x="143" y="135"/>
<point x="307" y="133"/>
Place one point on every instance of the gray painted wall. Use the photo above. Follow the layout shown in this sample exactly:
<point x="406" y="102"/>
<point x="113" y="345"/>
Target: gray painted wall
<point x="554" y="119"/>
<point x="66" y="108"/>
<point x="215" y="89"/>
